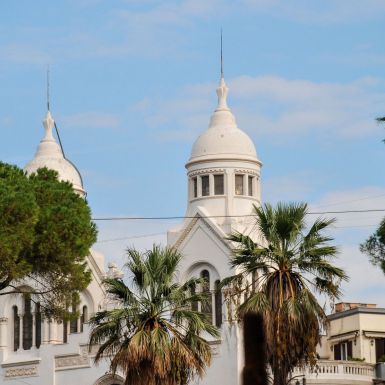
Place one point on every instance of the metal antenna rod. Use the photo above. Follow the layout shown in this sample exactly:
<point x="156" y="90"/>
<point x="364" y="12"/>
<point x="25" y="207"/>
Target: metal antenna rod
<point x="48" y="88"/>
<point x="221" y="56"/>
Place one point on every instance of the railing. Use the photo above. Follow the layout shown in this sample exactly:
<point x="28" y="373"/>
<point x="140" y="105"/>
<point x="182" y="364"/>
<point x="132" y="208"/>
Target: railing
<point x="329" y="370"/>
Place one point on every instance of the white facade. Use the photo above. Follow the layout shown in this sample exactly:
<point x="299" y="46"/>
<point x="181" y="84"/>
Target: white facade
<point x="36" y="351"/>
<point x="223" y="175"/>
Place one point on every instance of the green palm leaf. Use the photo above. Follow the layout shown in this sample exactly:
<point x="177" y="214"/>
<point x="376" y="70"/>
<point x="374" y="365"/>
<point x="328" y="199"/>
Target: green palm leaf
<point x="152" y="334"/>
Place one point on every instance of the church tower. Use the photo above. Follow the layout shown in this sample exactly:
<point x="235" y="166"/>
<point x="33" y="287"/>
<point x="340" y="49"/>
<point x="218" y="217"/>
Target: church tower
<point x="223" y="175"/>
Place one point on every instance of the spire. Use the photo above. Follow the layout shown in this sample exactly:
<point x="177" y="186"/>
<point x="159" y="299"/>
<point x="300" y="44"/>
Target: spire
<point x="221" y="56"/>
<point x="48" y="107"/>
<point x="222" y="89"/>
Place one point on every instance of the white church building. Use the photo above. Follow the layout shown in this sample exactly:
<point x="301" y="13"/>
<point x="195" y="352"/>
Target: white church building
<point x="223" y="176"/>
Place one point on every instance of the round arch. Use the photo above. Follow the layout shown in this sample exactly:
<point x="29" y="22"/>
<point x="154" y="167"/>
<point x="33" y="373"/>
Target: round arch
<point x="110" y="379"/>
<point x="196" y="269"/>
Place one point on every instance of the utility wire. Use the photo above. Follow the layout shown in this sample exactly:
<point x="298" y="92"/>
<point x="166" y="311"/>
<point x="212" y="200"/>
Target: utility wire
<point x="164" y="233"/>
<point x="228" y="216"/>
<point x="131" y="237"/>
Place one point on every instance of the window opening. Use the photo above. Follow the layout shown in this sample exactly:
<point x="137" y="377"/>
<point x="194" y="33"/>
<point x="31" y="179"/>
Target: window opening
<point x="65" y="331"/>
<point x="16" y="329"/>
<point x="194" y="304"/>
<point x="38" y="325"/>
<point x="218" y="304"/>
<point x="83" y="318"/>
<point x="238" y="184"/>
<point x="219" y="186"/>
<point x="195" y="186"/>
<point x="74" y="321"/>
<point x="205" y="185"/>
<point x="380" y="348"/>
<point x="207" y="306"/>
<point x="27" y="323"/>
<point x="250" y="180"/>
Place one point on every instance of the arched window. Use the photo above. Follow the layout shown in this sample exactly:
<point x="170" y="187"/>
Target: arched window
<point x="65" y="331"/>
<point x="207" y="306"/>
<point x="84" y="317"/>
<point x="194" y="304"/>
<point x="16" y="329"/>
<point x="218" y="304"/>
<point x="38" y="325"/>
<point x="74" y="321"/>
<point x="27" y="323"/>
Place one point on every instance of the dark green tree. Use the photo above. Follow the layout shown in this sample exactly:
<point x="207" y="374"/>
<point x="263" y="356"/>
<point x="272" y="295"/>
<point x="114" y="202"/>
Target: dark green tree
<point x="289" y="262"/>
<point x="374" y="246"/>
<point x="151" y="332"/>
<point x="45" y="235"/>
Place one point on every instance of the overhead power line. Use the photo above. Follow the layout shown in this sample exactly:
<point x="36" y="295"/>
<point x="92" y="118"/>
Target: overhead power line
<point x="228" y="216"/>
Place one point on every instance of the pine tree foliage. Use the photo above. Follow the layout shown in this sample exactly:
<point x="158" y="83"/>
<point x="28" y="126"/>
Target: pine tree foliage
<point x="45" y="235"/>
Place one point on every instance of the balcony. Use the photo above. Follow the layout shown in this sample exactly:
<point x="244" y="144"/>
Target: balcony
<point x="328" y="372"/>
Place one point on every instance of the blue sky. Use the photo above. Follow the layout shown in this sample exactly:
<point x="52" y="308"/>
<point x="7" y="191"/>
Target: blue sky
<point x="133" y="84"/>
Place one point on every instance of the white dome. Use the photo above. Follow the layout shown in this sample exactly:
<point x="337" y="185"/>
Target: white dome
<point x="223" y="139"/>
<point x="49" y="155"/>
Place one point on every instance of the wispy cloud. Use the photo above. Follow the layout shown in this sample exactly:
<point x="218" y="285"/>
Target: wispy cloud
<point x="91" y="120"/>
<point x="24" y="54"/>
<point x="350" y="230"/>
<point x="325" y="12"/>
<point x="275" y="106"/>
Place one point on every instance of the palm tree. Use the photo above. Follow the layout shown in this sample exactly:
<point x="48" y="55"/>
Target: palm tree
<point x="150" y="333"/>
<point x="288" y="265"/>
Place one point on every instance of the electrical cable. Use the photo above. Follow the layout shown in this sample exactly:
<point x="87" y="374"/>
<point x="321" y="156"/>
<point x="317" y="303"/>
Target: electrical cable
<point x="228" y="216"/>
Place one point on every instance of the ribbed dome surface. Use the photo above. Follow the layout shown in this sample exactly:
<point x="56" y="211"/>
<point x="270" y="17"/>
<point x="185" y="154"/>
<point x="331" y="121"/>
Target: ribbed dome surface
<point x="49" y="155"/>
<point x="223" y="138"/>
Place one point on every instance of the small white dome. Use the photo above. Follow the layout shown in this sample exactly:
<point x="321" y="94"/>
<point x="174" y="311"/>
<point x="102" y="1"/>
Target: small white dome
<point x="223" y="138"/>
<point x="49" y="155"/>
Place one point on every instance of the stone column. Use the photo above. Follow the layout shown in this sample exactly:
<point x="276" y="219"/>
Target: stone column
<point x="21" y="316"/>
<point x="211" y="184"/>
<point x="33" y="329"/>
<point x="3" y="333"/>
<point x="199" y="183"/>
<point x="52" y="334"/>
<point x="45" y="331"/>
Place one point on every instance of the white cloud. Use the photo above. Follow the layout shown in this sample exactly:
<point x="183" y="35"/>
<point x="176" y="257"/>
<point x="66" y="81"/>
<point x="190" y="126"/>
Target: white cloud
<point x="91" y="120"/>
<point x="367" y="282"/>
<point x="24" y="54"/>
<point x="275" y="106"/>
<point x="325" y="12"/>
<point x="116" y="236"/>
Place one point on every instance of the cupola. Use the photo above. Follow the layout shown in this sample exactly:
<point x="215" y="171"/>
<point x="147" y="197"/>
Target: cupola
<point x="49" y="154"/>
<point x="223" y="169"/>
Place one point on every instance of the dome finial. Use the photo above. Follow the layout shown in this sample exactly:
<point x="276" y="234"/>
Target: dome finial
<point x="222" y="90"/>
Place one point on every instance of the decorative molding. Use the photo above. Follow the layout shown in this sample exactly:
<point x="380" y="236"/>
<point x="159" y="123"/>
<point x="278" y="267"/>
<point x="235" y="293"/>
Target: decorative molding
<point x="206" y="171"/>
<point x="21" y="363"/>
<point x="246" y="171"/>
<point x="215" y="346"/>
<point x="24" y="371"/>
<point x="3" y="320"/>
<point x="70" y="361"/>
<point x="190" y="226"/>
